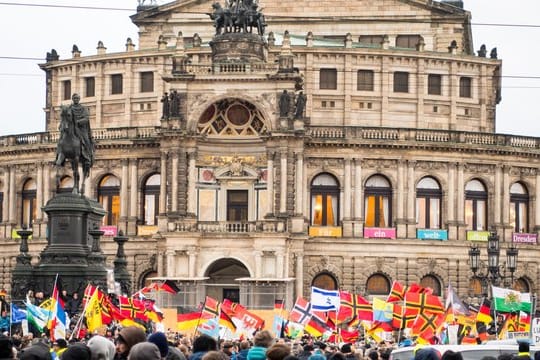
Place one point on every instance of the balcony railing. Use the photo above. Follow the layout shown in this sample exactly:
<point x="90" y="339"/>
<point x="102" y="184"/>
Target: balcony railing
<point x="349" y="133"/>
<point x="237" y="227"/>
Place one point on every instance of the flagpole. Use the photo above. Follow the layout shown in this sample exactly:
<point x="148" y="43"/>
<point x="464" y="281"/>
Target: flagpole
<point x="10" y="315"/>
<point x="200" y="315"/>
<point x="402" y="322"/>
<point x="50" y="311"/>
<point x="79" y="321"/>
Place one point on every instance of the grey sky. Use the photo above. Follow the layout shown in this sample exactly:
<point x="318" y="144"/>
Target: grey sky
<point x="33" y="31"/>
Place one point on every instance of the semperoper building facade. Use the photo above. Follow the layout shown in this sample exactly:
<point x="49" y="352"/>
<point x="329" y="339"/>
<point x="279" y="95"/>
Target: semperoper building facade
<point x="380" y="162"/>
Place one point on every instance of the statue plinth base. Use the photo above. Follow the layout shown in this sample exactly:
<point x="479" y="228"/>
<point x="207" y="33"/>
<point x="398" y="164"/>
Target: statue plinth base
<point x="238" y="47"/>
<point x="68" y="253"/>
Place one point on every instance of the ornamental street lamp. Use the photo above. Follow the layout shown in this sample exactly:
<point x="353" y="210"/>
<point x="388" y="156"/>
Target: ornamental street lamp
<point x="494" y="273"/>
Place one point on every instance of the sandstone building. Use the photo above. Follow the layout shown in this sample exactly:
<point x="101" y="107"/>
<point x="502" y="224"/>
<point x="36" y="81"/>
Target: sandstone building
<point x="391" y="171"/>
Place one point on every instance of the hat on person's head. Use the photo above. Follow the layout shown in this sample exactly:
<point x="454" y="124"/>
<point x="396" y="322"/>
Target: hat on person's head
<point x="144" y="351"/>
<point x="160" y="339"/>
<point x="317" y="356"/>
<point x="77" y="351"/>
<point x="60" y="342"/>
<point x="3" y="292"/>
<point x="346" y="348"/>
<point x="524" y="346"/>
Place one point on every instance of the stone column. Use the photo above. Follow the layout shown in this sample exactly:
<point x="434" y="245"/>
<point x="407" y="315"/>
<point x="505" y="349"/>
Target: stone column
<point x="497" y="197"/>
<point x="160" y="271"/>
<point x="461" y="203"/>
<point x="192" y="180"/>
<point x="124" y="191"/>
<point x="192" y="260"/>
<point x="171" y="269"/>
<point x="506" y="197"/>
<point x="46" y="186"/>
<point x="283" y="183"/>
<point x="174" y="183"/>
<point x="358" y="225"/>
<point x="401" y="222"/>
<point x="258" y="263"/>
<point x="411" y="201"/>
<point x="299" y="273"/>
<point x="39" y="192"/>
<point x="133" y="191"/>
<point x="12" y="196"/>
<point x="279" y="264"/>
<point x="451" y="204"/>
<point x="6" y="190"/>
<point x="347" y="199"/>
<point x="299" y="184"/>
<point x="163" y="185"/>
<point x="270" y="182"/>
<point x="537" y="203"/>
<point x="297" y="221"/>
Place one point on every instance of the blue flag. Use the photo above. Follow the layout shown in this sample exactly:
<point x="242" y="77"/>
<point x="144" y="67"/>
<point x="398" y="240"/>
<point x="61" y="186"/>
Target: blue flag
<point x="17" y="315"/>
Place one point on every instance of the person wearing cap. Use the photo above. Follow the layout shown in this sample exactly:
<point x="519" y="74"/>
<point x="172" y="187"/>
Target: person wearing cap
<point x="127" y="338"/>
<point x="58" y="347"/>
<point x="524" y="350"/>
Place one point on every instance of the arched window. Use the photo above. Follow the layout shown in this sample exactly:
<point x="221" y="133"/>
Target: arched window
<point x="324" y="200"/>
<point x="378" y="202"/>
<point x="151" y="199"/>
<point x="476" y="205"/>
<point x="475" y="287"/>
<point x="378" y="284"/>
<point x="65" y="185"/>
<point x="519" y="204"/>
<point x="428" y="204"/>
<point x="522" y="285"/>
<point x="109" y="198"/>
<point x="29" y="208"/>
<point x="325" y="281"/>
<point x="430" y="281"/>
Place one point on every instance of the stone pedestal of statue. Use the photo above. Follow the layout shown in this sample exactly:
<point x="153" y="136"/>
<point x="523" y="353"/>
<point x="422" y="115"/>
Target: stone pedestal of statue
<point x="72" y="249"/>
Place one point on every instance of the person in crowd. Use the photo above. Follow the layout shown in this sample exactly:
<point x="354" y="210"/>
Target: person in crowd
<point x="39" y="350"/>
<point x="452" y="355"/>
<point x="306" y="352"/>
<point x="229" y="349"/>
<point x="126" y="339"/>
<point x="58" y="347"/>
<point x="167" y="352"/>
<point x="244" y="349"/>
<point x="73" y="305"/>
<point x="214" y="355"/>
<point x="101" y="348"/>
<point x="348" y="351"/>
<point x="144" y="351"/>
<point x="7" y="350"/>
<point x="278" y="352"/>
<point x="427" y="353"/>
<point x="77" y="351"/>
<point x="202" y="345"/>
<point x="261" y="342"/>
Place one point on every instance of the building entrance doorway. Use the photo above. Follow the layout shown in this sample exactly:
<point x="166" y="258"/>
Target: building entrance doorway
<point x="222" y="276"/>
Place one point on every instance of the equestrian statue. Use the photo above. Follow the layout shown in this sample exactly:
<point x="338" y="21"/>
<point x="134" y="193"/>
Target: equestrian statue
<point x="75" y="143"/>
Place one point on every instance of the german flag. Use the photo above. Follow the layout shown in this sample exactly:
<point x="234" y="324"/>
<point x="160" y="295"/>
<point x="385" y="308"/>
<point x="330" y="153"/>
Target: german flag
<point x="316" y="325"/>
<point x="188" y="321"/>
<point x="484" y="313"/>
<point x="226" y="321"/>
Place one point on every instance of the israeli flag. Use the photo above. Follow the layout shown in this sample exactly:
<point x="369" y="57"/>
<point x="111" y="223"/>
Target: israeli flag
<point x="324" y="300"/>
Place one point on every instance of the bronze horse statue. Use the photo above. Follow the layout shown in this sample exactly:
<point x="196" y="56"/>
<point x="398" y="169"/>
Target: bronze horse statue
<point x="69" y="148"/>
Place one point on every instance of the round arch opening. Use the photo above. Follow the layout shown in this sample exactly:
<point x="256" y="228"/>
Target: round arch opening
<point x="222" y="275"/>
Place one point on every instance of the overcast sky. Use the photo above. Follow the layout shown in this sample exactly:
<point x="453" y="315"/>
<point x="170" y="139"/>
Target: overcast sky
<point x="30" y="32"/>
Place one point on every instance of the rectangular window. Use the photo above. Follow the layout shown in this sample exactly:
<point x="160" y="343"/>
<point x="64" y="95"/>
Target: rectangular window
<point x="66" y="90"/>
<point x="465" y="85"/>
<point x="434" y="84"/>
<point x="365" y="80"/>
<point x="328" y="79"/>
<point x="90" y="87"/>
<point x="401" y="82"/>
<point x="1" y="206"/>
<point x="116" y="84"/>
<point x="370" y="39"/>
<point x="407" y="41"/>
<point x="147" y="81"/>
<point x="237" y="205"/>
<point x="377" y="211"/>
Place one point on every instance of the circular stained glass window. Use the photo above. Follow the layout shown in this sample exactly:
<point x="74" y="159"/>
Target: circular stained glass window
<point x="238" y="115"/>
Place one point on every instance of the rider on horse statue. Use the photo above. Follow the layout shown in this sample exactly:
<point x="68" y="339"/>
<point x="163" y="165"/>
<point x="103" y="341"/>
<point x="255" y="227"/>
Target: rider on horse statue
<point x="75" y="143"/>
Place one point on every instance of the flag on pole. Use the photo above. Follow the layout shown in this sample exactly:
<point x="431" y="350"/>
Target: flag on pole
<point x="454" y="303"/>
<point x="324" y="300"/>
<point x="382" y="311"/>
<point x="187" y="321"/>
<point x="508" y="300"/>
<point x="301" y="311"/>
<point x="57" y="323"/>
<point x="484" y="312"/>
<point x="37" y="316"/>
<point x="93" y="313"/>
